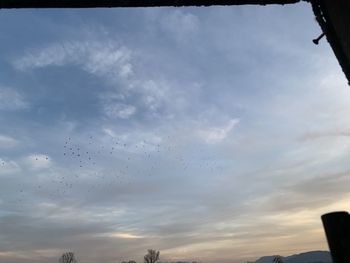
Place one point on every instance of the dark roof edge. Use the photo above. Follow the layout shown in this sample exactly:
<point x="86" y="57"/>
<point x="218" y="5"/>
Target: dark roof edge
<point x="323" y="19"/>
<point x="131" y="3"/>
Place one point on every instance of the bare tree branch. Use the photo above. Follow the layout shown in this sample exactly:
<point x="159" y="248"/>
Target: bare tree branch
<point x="152" y="256"/>
<point x="67" y="257"/>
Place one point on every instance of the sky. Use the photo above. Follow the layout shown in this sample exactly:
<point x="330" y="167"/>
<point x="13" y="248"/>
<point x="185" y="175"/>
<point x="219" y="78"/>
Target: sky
<point x="217" y="134"/>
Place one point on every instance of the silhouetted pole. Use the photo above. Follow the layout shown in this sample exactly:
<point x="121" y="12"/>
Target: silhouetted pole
<point x="131" y="3"/>
<point x="337" y="228"/>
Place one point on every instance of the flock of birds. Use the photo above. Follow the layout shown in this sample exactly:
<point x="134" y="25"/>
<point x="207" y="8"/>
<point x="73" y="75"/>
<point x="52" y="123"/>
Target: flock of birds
<point x="106" y="168"/>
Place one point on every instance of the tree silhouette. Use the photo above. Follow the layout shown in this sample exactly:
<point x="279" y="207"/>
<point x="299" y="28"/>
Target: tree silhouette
<point x="278" y="259"/>
<point x="67" y="257"/>
<point x="152" y="256"/>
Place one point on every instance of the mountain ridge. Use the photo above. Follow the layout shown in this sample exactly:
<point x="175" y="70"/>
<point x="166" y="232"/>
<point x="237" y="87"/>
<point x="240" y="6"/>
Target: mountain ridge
<point x="318" y="256"/>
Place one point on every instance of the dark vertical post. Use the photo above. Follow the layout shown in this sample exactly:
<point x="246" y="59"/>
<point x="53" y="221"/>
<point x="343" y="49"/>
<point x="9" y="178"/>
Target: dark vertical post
<point x="337" y="228"/>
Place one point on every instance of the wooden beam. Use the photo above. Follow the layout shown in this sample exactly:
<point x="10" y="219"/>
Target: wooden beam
<point x="131" y="3"/>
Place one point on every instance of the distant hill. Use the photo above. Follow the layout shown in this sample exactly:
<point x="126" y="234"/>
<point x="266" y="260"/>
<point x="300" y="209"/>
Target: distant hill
<point x="307" y="257"/>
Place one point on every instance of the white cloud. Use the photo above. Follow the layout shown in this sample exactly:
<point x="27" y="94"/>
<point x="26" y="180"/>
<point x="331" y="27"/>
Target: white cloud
<point x="212" y="135"/>
<point x="154" y="94"/>
<point x="57" y="55"/>
<point x="119" y="110"/>
<point x="112" y="63"/>
<point x="37" y="161"/>
<point x="8" y="167"/>
<point x="179" y="24"/>
<point x="7" y="142"/>
<point x="10" y="99"/>
<point x="125" y="235"/>
<point x="137" y="141"/>
<point x="101" y="58"/>
<point x="108" y="60"/>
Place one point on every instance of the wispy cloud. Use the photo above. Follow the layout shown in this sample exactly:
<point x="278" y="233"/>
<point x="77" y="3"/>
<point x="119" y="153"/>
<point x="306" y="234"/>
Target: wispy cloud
<point x="217" y="134"/>
<point x="8" y="167"/>
<point x="319" y="135"/>
<point x="7" y="141"/>
<point x="99" y="58"/>
<point x="120" y="110"/>
<point x="37" y="161"/>
<point x="179" y="24"/>
<point x="125" y="235"/>
<point x="128" y="91"/>
<point x="11" y="100"/>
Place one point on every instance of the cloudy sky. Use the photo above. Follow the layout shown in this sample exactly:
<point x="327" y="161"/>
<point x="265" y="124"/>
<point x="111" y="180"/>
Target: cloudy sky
<point x="214" y="134"/>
